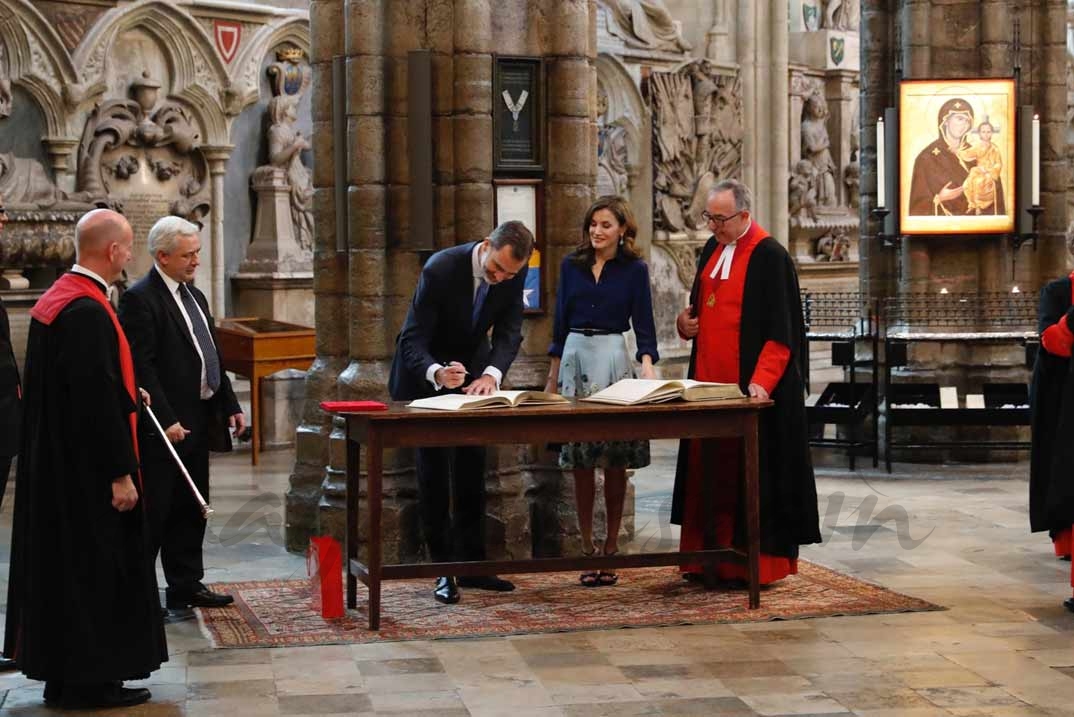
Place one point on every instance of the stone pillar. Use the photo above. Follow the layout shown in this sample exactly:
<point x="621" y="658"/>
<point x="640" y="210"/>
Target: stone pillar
<point x="1050" y="95"/>
<point x="327" y="29"/>
<point x="721" y="44"/>
<point x="839" y="88"/>
<point x="217" y="157"/>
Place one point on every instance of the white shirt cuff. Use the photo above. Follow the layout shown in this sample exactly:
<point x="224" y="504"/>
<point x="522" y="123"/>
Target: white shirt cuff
<point x="430" y="375"/>
<point x="496" y="374"/>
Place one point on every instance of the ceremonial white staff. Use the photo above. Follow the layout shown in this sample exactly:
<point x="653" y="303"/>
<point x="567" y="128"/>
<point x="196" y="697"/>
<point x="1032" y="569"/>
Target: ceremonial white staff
<point x="206" y="510"/>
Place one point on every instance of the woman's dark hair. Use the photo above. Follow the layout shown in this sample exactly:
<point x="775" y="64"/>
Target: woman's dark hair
<point x="584" y="253"/>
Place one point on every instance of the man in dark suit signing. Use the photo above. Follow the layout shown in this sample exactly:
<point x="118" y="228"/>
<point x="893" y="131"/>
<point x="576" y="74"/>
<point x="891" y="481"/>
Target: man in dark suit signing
<point x="173" y="341"/>
<point x="445" y="347"/>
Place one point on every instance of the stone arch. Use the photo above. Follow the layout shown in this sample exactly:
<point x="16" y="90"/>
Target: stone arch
<point x="247" y="81"/>
<point x="38" y="62"/>
<point x="200" y="79"/>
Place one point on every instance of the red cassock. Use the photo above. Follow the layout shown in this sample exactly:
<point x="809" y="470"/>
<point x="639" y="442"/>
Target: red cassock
<point x="720" y="318"/>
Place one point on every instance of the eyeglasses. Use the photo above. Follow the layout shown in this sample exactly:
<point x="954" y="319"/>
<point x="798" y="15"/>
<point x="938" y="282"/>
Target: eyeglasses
<point x="2" y="210"/>
<point x="717" y="219"/>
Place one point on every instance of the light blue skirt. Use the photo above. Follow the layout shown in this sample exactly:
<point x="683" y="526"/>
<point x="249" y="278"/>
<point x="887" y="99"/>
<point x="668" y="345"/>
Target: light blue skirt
<point x="589" y="364"/>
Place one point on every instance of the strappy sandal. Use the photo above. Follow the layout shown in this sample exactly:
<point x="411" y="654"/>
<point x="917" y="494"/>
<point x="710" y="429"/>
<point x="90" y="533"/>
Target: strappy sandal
<point x="590" y="578"/>
<point x="607" y="578"/>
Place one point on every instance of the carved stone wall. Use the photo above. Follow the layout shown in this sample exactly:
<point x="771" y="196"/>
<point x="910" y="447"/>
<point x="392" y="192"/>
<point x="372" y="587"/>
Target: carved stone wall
<point x="76" y="64"/>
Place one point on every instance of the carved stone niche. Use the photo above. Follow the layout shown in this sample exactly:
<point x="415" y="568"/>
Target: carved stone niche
<point x="144" y="160"/>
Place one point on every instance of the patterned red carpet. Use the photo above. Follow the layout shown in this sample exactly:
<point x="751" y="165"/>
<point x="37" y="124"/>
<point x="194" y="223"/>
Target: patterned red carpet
<point x="280" y="613"/>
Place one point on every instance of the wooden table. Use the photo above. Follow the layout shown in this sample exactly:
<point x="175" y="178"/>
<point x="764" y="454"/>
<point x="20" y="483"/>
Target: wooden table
<point x="578" y="421"/>
<point x="256" y="348"/>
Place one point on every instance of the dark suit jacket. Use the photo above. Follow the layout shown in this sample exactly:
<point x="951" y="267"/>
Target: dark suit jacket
<point x="437" y="327"/>
<point x="167" y="366"/>
<point x="10" y="403"/>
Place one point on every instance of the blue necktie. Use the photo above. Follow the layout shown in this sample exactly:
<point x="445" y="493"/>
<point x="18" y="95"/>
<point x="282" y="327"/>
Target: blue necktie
<point x="205" y="341"/>
<point x="479" y="301"/>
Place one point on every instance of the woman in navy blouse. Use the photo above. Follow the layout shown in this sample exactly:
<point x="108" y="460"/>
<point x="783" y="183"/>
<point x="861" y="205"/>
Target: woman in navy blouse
<point x="603" y="291"/>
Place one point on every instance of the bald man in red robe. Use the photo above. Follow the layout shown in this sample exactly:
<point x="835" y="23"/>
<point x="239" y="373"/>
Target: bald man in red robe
<point x="745" y="321"/>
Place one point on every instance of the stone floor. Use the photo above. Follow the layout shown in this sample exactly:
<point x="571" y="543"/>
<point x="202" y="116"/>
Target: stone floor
<point x="953" y="535"/>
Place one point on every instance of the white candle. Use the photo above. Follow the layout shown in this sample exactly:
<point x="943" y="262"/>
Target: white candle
<point x="1035" y="191"/>
<point x="881" y="165"/>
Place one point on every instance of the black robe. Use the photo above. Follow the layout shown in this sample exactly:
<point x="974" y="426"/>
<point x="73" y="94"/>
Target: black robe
<point x="82" y="601"/>
<point x="935" y="167"/>
<point x="771" y="311"/>
<point x="1051" y="395"/>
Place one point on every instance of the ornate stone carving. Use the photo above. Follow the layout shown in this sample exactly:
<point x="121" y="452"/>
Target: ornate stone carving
<point x="290" y="80"/>
<point x="613" y="176"/>
<point x="852" y="181"/>
<point x="802" y="193"/>
<point x="697" y="128"/>
<point x="5" y="84"/>
<point x="645" y="23"/>
<point x="816" y="149"/>
<point x="833" y="246"/>
<point x="842" y="15"/>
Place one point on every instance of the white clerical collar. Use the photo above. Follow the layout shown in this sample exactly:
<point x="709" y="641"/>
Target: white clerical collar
<point x="723" y="264"/>
<point x="79" y="269"/>
<point x="172" y="284"/>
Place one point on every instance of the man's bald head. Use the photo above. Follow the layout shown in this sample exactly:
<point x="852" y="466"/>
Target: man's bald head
<point x="104" y="242"/>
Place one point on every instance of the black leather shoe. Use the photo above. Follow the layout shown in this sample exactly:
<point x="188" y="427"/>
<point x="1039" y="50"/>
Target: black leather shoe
<point x="486" y="582"/>
<point x="446" y="590"/>
<point x="202" y="597"/>
<point x="7" y="664"/>
<point x="53" y="693"/>
<point x="111" y="694"/>
<point x="1069" y="604"/>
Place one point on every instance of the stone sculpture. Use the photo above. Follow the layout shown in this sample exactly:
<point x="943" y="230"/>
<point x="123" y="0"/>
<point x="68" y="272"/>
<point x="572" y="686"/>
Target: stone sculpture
<point x="645" y="23"/>
<point x="833" y="246"/>
<point x="5" y="84"/>
<point x="816" y="146"/>
<point x="697" y="127"/>
<point x="852" y="181"/>
<point x="802" y="193"/>
<point x="613" y="176"/>
<point x="290" y="81"/>
<point x="842" y="15"/>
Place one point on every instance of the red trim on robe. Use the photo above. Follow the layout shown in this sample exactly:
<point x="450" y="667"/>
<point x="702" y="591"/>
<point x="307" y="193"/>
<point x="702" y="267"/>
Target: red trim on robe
<point x="719" y="313"/>
<point x="72" y="286"/>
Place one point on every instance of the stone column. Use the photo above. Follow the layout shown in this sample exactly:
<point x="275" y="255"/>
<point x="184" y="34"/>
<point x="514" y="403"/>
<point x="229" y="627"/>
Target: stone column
<point x="218" y="157"/>
<point x="1050" y="95"/>
<point x="839" y="86"/>
<point x="327" y="28"/>
<point x="721" y="45"/>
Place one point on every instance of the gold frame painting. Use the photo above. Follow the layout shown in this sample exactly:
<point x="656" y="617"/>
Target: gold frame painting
<point x="956" y="156"/>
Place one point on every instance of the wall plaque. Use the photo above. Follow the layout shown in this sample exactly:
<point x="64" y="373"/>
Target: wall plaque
<point x="522" y="199"/>
<point x="518" y="127"/>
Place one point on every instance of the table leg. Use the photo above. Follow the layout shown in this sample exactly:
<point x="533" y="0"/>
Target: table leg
<point x="353" y="468"/>
<point x="708" y="501"/>
<point x="374" y="477"/>
<point x="255" y="417"/>
<point x="753" y="509"/>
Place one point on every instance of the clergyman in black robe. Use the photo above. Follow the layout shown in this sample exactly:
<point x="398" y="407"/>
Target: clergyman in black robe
<point x="1051" y="395"/>
<point x="939" y="172"/>
<point x="83" y="612"/>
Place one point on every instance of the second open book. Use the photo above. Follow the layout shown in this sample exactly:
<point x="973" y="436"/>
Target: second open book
<point x="631" y="391"/>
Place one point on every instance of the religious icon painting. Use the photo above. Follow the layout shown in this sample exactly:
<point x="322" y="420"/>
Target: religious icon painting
<point x="956" y="156"/>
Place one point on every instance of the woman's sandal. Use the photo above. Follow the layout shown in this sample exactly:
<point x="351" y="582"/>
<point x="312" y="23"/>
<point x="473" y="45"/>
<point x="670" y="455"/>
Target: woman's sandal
<point x="607" y="578"/>
<point x="590" y="578"/>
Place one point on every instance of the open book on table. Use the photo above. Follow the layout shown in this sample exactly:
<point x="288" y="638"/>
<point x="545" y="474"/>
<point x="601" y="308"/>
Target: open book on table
<point x="631" y="391"/>
<point x="497" y="399"/>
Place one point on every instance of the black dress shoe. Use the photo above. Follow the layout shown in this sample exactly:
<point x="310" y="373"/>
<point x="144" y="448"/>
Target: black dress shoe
<point x="7" y="664"/>
<point x="110" y="694"/>
<point x="446" y="590"/>
<point x="486" y="582"/>
<point x="202" y="597"/>
<point x="53" y="693"/>
<point x="1069" y="604"/>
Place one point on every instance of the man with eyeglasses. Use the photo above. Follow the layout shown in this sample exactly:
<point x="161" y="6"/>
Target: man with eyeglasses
<point x="444" y="347"/>
<point x="10" y="407"/>
<point x="745" y="322"/>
